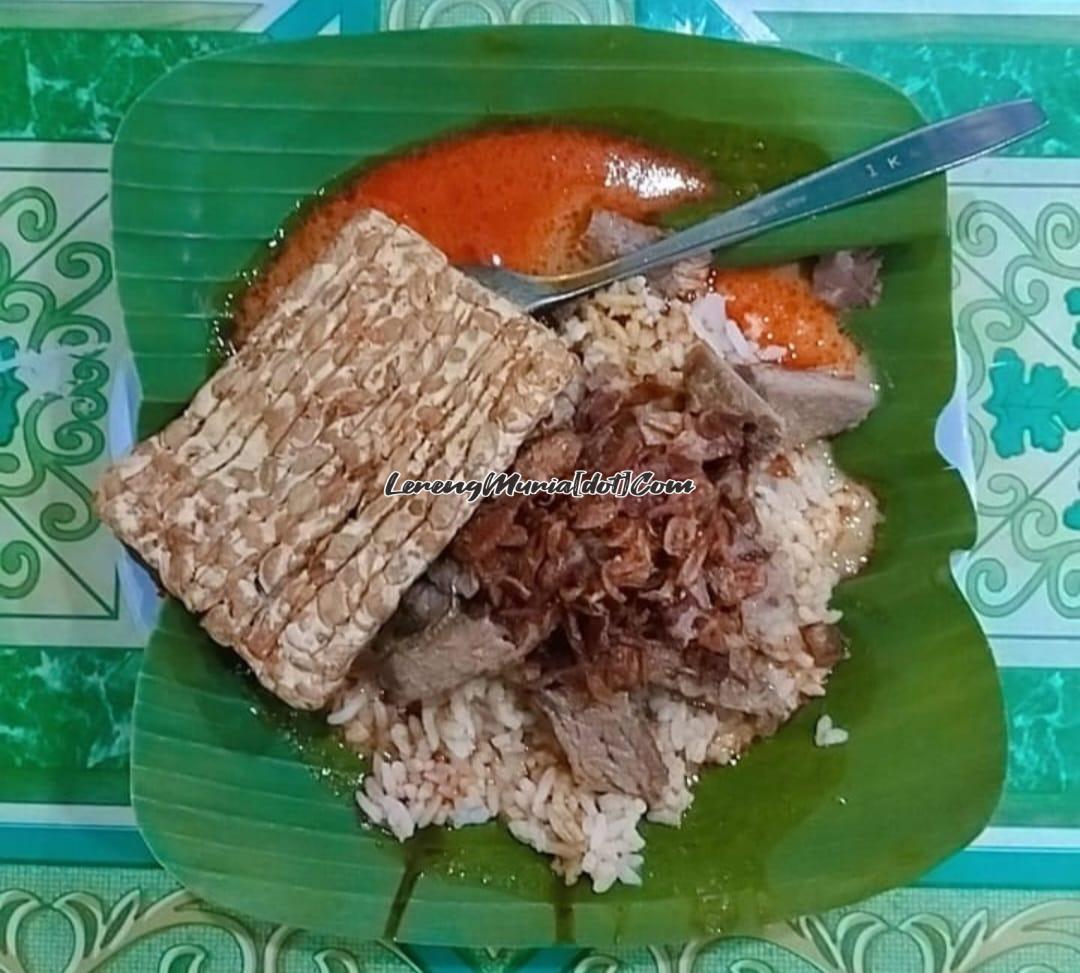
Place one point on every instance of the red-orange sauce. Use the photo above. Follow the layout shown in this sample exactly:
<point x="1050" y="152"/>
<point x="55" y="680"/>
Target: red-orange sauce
<point x="521" y="198"/>
<point x="780" y="308"/>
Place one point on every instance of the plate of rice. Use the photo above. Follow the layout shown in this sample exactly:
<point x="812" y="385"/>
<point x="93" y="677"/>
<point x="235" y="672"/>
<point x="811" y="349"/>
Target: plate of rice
<point x="624" y="623"/>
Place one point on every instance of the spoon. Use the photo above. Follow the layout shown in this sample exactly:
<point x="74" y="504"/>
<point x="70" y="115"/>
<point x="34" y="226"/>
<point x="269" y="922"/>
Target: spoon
<point x="888" y="165"/>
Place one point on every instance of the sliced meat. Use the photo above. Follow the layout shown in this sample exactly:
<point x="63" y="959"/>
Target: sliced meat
<point x="743" y="678"/>
<point x="813" y="404"/>
<point x="712" y="384"/>
<point x="422" y="605"/>
<point x="848" y="278"/>
<point x="452" y="578"/>
<point x="696" y="674"/>
<point x="607" y="742"/>
<point x="610" y="236"/>
<point x="442" y="657"/>
<point x="430" y="599"/>
<point x="824" y="643"/>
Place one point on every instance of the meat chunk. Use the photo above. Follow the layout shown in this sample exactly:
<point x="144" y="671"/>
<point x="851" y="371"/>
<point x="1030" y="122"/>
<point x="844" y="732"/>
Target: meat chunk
<point x="422" y="605"/>
<point x="712" y="383"/>
<point x="262" y="507"/>
<point x="824" y="643"/>
<point x="607" y="743"/>
<point x="848" y="278"/>
<point x="813" y="404"/>
<point x="452" y="578"/>
<point x="610" y="236"/>
<point x="431" y="597"/>
<point x="695" y="673"/>
<point x="445" y="655"/>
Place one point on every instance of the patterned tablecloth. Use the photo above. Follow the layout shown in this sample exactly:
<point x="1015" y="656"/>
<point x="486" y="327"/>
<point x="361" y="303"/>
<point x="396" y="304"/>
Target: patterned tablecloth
<point x="78" y="890"/>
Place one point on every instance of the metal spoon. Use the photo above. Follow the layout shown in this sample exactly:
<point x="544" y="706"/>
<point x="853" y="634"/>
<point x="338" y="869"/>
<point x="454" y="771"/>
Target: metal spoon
<point x="895" y="163"/>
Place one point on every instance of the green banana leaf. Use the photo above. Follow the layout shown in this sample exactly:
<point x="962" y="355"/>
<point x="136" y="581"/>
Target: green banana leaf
<point x="251" y="807"/>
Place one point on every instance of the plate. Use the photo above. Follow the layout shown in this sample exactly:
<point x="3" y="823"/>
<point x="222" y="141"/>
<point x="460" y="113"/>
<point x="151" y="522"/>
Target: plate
<point x="250" y="807"/>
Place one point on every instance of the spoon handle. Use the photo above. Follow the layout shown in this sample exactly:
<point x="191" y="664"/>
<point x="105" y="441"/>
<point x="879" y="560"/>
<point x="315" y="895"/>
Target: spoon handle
<point x="886" y="166"/>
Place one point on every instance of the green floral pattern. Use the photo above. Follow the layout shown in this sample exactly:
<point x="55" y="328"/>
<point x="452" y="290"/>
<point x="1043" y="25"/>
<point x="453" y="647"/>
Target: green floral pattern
<point x="1034" y="533"/>
<point x="61" y="430"/>
<point x="1041" y="408"/>
<point x="11" y="390"/>
<point x="1015" y="290"/>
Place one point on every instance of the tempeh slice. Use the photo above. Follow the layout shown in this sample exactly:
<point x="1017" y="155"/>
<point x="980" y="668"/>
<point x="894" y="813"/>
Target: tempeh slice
<point x="262" y="506"/>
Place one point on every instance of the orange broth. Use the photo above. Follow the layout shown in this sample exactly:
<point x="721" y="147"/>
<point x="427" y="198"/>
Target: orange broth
<point x="521" y="198"/>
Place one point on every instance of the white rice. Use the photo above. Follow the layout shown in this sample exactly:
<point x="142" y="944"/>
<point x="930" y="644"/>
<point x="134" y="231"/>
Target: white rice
<point x="710" y="322"/>
<point x="827" y="734"/>
<point x="645" y="335"/>
<point x="632" y="327"/>
<point x="483" y="753"/>
<point x="820" y="520"/>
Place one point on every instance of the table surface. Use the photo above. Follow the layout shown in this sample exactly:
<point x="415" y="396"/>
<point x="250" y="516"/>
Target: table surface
<point x="78" y="890"/>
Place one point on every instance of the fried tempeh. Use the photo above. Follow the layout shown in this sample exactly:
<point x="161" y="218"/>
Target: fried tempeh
<point x="262" y="506"/>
